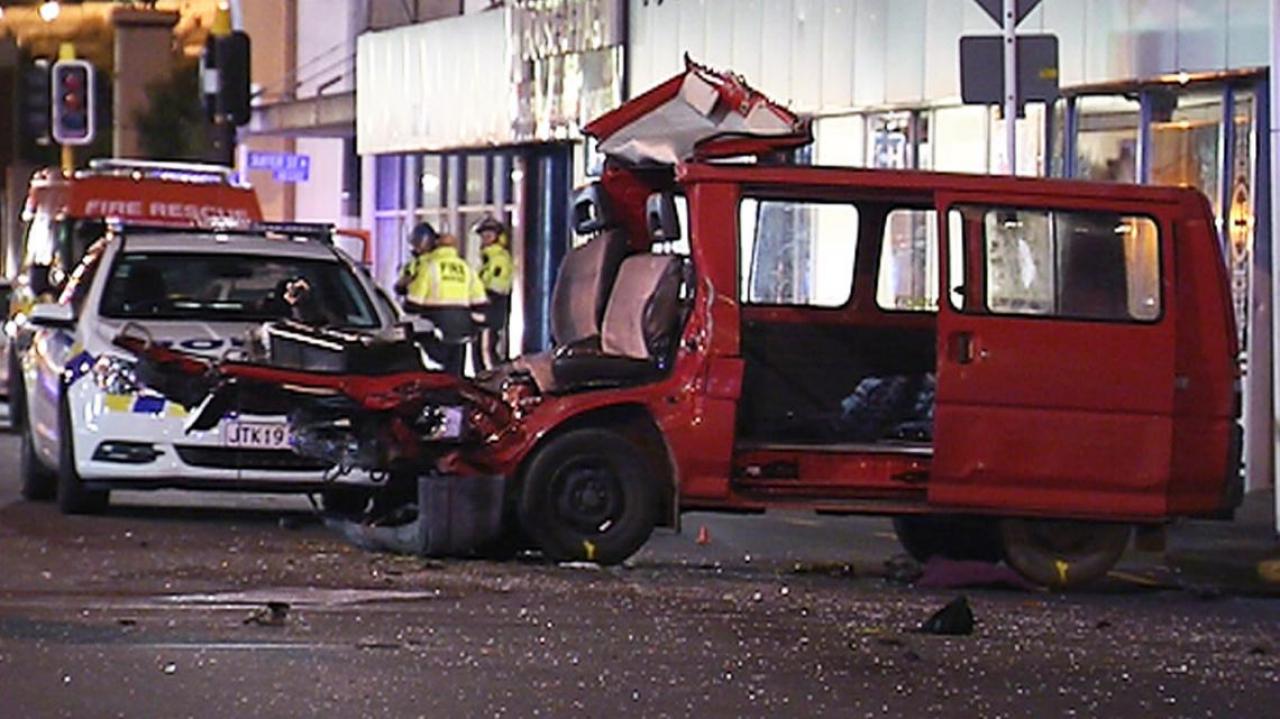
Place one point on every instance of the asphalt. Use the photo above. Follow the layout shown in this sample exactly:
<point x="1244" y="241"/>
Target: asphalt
<point x="1240" y="556"/>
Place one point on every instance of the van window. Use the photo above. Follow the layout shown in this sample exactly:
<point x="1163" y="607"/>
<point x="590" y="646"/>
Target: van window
<point x="796" y="253"/>
<point x="1077" y="264"/>
<point x="908" y="275"/>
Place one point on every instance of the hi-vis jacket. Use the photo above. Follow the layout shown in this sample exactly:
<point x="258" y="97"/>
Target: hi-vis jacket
<point x="496" y="270"/>
<point x="443" y="279"/>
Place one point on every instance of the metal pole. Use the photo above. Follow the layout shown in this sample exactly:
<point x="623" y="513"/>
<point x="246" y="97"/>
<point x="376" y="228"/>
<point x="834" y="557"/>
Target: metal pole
<point x="1011" y="84"/>
<point x="1274" y="129"/>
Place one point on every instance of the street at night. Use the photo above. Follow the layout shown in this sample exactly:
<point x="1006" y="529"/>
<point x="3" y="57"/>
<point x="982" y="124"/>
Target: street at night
<point x="164" y="605"/>
<point x="639" y="358"/>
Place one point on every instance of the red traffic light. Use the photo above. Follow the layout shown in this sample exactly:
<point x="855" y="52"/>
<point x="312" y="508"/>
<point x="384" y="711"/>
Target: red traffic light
<point x="72" y="90"/>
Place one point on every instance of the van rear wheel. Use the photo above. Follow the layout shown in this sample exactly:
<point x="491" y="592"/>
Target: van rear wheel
<point x="1063" y="553"/>
<point x="587" y="495"/>
<point x="962" y="538"/>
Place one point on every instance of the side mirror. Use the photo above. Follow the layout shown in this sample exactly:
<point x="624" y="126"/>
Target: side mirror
<point x="51" y="315"/>
<point x="38" y="280"/>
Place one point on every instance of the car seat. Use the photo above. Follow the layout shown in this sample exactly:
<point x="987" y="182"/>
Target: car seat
<point x="638" y="333"/>
<point x="578" y="300"/>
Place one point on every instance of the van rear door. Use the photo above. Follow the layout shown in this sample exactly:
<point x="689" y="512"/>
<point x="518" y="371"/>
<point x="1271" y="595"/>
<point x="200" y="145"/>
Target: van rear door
<point x="1056" y="360"/>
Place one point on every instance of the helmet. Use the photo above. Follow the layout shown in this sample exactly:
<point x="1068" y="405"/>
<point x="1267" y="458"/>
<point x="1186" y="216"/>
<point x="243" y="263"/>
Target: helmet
<point x="489" y="224"/>
<point x="423" y="233"/>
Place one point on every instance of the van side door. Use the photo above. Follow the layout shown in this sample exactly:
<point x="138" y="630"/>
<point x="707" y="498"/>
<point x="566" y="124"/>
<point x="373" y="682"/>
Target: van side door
<point x="1056" y="356"/>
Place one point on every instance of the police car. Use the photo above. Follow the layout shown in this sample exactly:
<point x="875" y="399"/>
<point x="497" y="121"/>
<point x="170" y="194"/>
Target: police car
<point x="91" y="425"/>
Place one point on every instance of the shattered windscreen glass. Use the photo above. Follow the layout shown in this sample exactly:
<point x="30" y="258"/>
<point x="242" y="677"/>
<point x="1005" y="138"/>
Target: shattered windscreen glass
<point x="230" y="287"/>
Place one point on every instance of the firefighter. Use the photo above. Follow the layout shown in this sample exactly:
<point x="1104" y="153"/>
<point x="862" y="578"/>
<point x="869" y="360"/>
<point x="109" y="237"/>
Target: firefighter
<point x="496" y="274"/>
<point x="421" y="239"/>
<point x="445" y="290"/>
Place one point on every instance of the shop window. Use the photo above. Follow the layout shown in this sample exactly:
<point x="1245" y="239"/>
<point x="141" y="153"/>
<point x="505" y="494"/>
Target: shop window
<point x="959" y="140"/>
<point x="1107" y="138"/>
<point x="890" y="140"/>
<point x="1081" y="265"/>
<point x="431" y="182"/>
<point x="1028" y="137"/>
<point x="387" y="168"/>
<point x="797" y="253"/>
<point x="476" y="185"/>
<point x="908" y="274"/>
<point x="840" y="140"/>
<point x="1185" y="141"/>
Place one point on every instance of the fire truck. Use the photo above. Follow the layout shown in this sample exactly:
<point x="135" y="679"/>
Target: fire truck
<point x="1024" y="369"/>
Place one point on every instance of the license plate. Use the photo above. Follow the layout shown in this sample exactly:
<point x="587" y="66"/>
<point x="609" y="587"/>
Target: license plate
<point x="256" y="435"/>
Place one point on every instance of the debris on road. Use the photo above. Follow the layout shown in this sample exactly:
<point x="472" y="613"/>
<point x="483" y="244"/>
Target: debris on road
<point x="942" y="573"/>
<point x="273" y="614"/>
<point x="955" y="619"/>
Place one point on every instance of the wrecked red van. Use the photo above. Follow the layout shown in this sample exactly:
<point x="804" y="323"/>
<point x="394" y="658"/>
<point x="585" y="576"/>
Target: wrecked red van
<point x="1014" y="368"/>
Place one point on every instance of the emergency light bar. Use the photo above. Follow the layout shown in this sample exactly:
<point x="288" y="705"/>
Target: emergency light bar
<point x="320" y="231"/>
<point x="192" y="172"/>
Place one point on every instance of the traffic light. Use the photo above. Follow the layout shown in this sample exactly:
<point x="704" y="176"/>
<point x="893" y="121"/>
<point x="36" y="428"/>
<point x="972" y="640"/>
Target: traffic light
<point x="33" y="102"/>
<point x="72" y="91"/>
<point x="225" y="74"/>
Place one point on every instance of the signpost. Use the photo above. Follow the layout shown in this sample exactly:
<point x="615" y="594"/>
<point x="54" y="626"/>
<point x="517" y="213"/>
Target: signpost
<point x="1008" y="13"/>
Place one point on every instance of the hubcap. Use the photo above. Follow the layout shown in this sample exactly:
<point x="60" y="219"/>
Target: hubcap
<point x="588" y="496"/>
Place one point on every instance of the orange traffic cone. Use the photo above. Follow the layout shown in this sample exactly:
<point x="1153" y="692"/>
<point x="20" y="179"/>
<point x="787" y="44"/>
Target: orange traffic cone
<point x="704" y="537"/>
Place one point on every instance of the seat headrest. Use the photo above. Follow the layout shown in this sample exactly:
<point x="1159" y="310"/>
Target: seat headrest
<point x="661" y="217"/>
<point x="590" y="207"/>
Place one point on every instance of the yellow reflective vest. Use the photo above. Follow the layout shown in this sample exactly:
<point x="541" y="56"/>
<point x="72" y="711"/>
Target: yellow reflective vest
<point x="443" y="279"/>
<point x="496" y="270"/>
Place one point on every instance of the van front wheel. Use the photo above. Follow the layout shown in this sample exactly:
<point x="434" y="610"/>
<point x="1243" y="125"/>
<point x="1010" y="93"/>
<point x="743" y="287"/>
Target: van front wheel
<point x="1063" y="553"/>
<point x="587" y="495"/>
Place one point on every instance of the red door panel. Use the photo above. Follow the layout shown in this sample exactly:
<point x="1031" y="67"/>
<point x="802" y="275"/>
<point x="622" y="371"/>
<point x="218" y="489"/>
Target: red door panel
<point x="1049" y="415"/>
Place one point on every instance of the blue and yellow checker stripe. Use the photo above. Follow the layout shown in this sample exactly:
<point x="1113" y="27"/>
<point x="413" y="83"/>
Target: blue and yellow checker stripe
<point x="145" y="402"/>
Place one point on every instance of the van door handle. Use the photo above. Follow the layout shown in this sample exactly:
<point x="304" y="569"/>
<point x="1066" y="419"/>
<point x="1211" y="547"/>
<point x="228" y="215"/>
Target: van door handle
<point x="960" y="347"/>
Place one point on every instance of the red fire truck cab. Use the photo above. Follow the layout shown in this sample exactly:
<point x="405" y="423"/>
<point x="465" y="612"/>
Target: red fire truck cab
<point x="1013" y="368"/>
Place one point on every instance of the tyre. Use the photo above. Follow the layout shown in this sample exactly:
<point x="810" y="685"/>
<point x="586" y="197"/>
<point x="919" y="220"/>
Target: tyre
<point x="961" y="538"/>
<point x="345" y="500"/>
<point x="17" y="396"/>
<point x="588" y="495"/>
<point x="1063" y="553"/>
<point x="38" y="482"/>
<point x="73" y="496"/>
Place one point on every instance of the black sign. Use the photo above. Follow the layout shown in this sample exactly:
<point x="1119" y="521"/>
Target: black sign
<point x="982" y="69"/>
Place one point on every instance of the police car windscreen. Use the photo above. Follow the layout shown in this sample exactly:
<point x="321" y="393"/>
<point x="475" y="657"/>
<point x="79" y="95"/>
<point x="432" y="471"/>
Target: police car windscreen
<point x="236" y="288"/>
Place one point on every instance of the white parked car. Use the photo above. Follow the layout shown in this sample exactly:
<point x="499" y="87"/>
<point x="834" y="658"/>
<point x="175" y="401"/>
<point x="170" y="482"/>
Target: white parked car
<point x="90" y="427"/>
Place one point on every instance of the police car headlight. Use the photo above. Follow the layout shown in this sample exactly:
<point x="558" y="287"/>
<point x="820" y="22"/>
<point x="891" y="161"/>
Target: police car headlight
<point x="440" y="422"/>
<point x="116" y="375"/>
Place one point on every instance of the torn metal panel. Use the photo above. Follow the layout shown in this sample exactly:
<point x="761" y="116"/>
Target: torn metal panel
<point x="698" y="114"/>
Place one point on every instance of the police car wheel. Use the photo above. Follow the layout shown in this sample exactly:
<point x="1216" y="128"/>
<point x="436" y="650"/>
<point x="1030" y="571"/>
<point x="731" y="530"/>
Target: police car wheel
<point x="17" y="396"/>
<point x="38" y="482"/>
<point x="587" y="496"/>
<point x="73" y="496"/>
<point x="1063" y="553"/>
